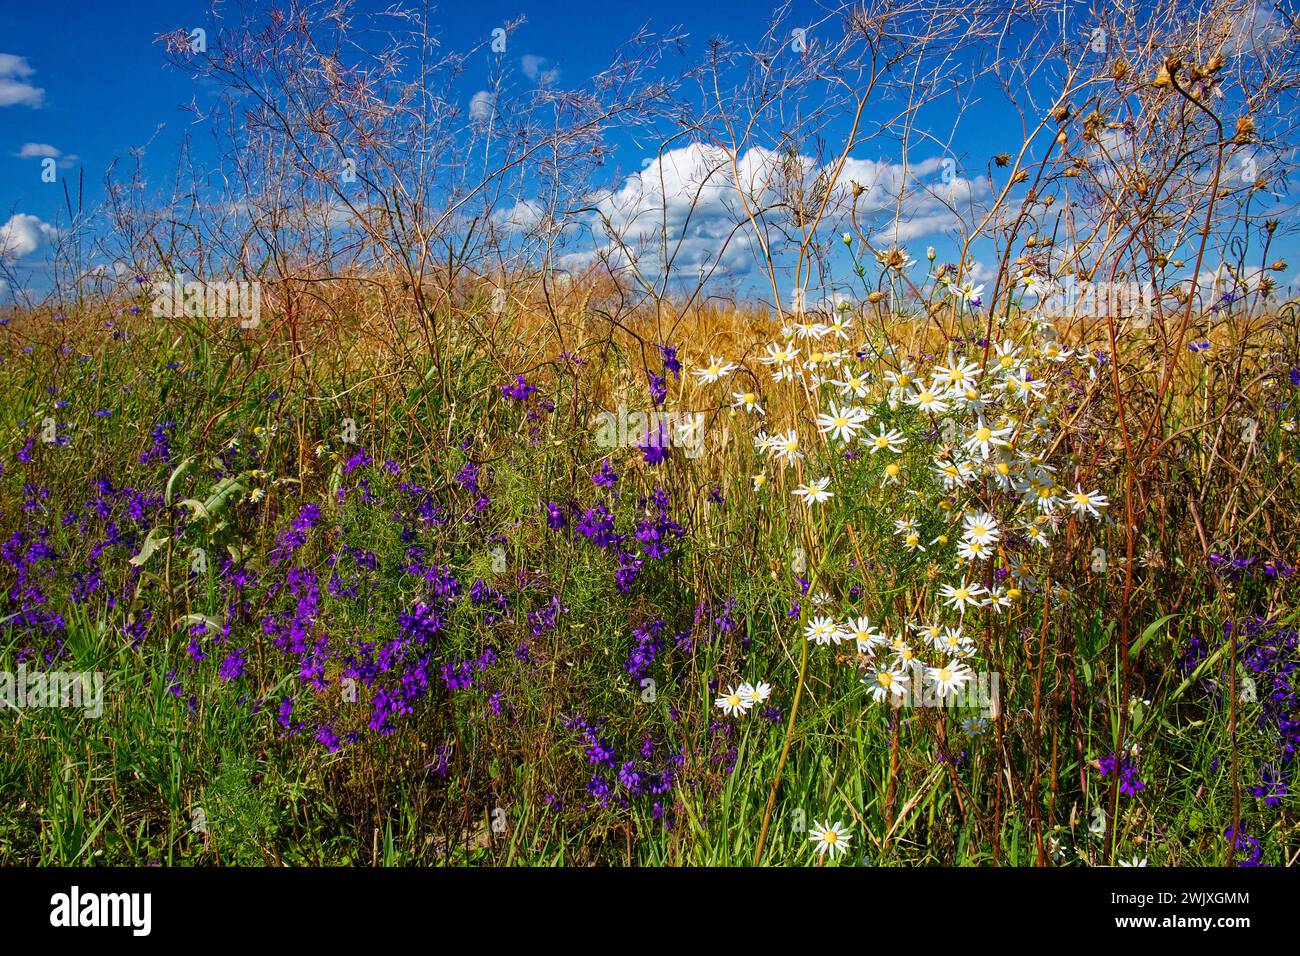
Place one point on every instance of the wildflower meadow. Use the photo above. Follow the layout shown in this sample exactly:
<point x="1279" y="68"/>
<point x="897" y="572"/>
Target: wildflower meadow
<point x="818" y="436"/>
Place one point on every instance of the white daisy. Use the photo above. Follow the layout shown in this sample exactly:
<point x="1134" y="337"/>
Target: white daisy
<point x="823" y="630"/>
<point x="831" y="838"/>
<point x="984" y="439"/>
<point x="948" y="679"/>
<point x="1086" y="502"/>
<point x="841" y="423"/>
<point x="932" y="402"/>
<point x="973" y="550"/>
<point x="981" y="526"/>
<point x="890" y="440"/>
<point x="867" y="637"/>
<point x="734" y="702"/>
<point x="786" y="447"/>
<point x="885" y="681"/>
<point x="963" y="595"/>
<point x="854" y="384"/>
<point x="814" y="492"/>
<point x="955" y="376"/>
<point x="715" y="370"/>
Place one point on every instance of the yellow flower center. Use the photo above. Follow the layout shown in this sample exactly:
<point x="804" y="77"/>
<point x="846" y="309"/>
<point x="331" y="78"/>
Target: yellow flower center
<point x="983" y="434"/>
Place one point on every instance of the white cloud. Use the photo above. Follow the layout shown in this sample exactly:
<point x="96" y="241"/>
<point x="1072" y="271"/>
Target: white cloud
<point x="536" y="69"/>
<point x="1256" y="28"/>
<point x="692" y="192"/>
<point x="482" y="105"/>
<point x="23" y="235"/>
<point x="693" y="189"/>
<point x="46" y="151"/>
<point x="524" y="216"/>
<point x="14" y="88"/>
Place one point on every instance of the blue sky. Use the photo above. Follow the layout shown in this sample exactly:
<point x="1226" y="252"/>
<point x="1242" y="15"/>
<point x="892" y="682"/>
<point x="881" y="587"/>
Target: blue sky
<point x="86" y="83"/>
<point x="104" y="88"/>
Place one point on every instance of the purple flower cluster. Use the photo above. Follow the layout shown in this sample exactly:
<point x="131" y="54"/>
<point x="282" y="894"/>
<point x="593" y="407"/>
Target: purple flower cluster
<point x="459" y="675"/>
<point x="657" y="531"/>
<point x="1126" y="768"/>
<point x="649" y="642"/>
<point x="1270" y="653"/>
<point x="295" y="536"/>
<point x="519" y="390"/>
<point x="160" y="449"/>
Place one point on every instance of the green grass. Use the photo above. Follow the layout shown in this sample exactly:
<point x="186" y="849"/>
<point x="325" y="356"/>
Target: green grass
<point x="183" y="768"/>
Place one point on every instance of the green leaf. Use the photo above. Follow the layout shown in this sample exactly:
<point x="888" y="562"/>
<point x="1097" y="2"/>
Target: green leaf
<point x="1149" y="633"/>
<point x="152" y="542"/>
<point x="212" y="623"/>
<point x="179" y="470"/>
